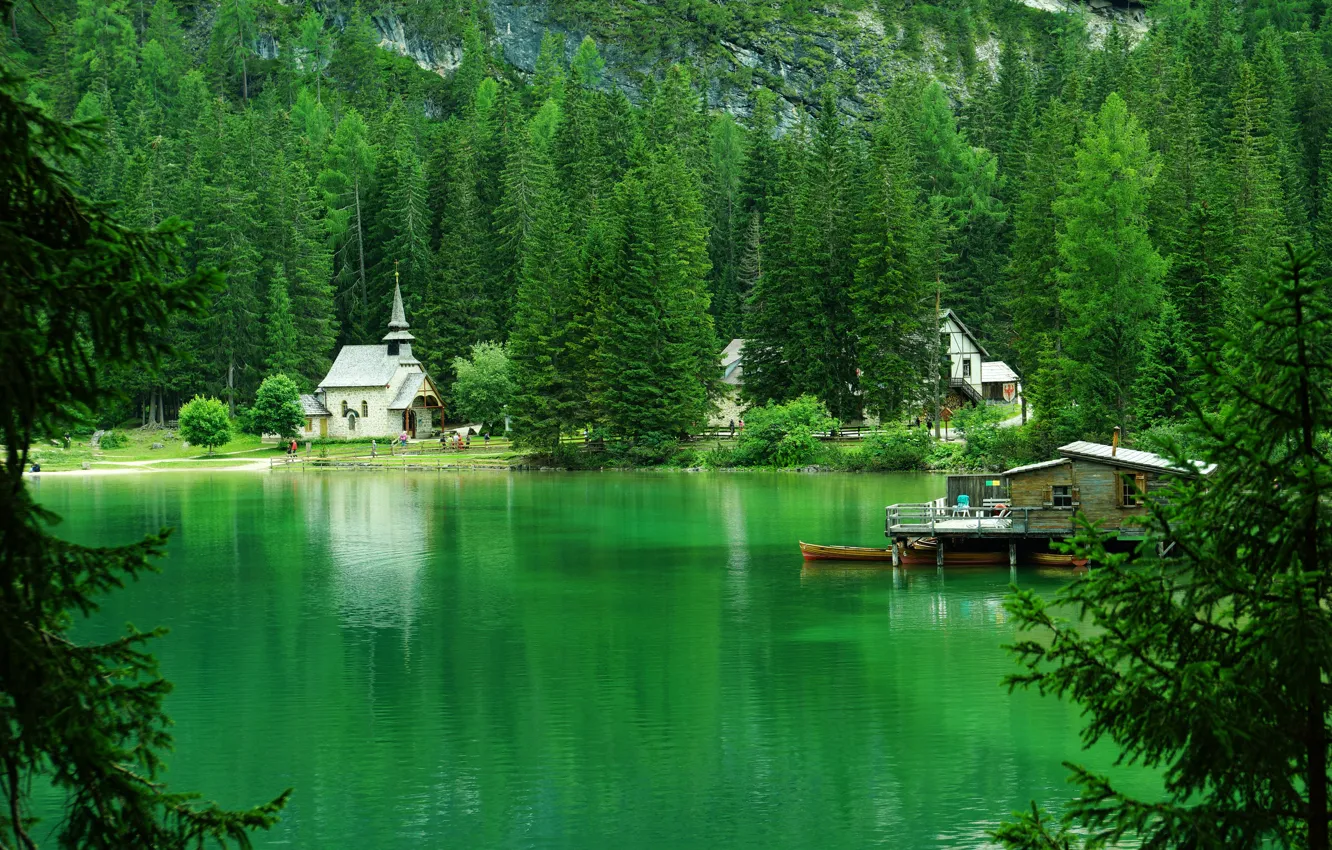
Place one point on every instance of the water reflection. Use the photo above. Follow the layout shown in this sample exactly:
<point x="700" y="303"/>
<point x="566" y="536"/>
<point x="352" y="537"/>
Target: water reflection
<point x="573" y="661"/>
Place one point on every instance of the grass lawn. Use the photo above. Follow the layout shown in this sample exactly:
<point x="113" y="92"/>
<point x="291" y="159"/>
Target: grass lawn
<point x="140" y="447"/>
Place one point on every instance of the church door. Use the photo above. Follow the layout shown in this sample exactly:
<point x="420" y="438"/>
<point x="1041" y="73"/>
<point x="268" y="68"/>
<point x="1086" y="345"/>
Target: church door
<point x="409" y="422"/>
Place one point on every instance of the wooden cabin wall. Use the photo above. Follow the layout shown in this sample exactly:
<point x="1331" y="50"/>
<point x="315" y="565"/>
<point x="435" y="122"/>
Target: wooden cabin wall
<point x="1031" y="489"/>
<point x="974" y="487"/>
<point x="1098" y="486"/>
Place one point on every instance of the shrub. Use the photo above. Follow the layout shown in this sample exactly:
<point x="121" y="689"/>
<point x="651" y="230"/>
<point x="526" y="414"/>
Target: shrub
<point x="277" y="408"/>
<point x="484" y="386"/>
<point x="721" y="457"/>
<point x="897" y="450"/>
<point x="204" y="422"/>
<point x="113" y="440"/>
<point x="784" y="434"/>
<point x="646" y="450"/>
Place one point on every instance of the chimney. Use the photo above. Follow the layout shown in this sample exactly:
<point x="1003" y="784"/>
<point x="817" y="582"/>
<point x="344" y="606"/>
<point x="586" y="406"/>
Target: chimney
<point x="1114" y="443"/>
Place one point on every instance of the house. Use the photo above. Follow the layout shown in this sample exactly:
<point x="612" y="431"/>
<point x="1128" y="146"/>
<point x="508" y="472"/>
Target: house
<point x="1108" y="484"/>
<point x="375" y="390"/>
<point x="730" y="408"/>
<point x="999" y="383"/>
<point x="965" y="357"/>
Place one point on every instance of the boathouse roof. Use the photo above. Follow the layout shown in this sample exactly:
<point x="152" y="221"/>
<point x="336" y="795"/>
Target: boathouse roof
<point x="1131" y="458"/>
<point x="1032" y="467"/>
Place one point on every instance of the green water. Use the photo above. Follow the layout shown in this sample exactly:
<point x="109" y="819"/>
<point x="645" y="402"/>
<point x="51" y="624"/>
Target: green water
<point x="574" y="660"/>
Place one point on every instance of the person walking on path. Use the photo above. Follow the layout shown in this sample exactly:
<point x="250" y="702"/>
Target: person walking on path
<point x="487" y="439"/>
<point x="373" y="446"/>
<point x="733" y="428"/>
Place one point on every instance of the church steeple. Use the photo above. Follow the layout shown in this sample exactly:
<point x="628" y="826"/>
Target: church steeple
<point x="398" y="338"/>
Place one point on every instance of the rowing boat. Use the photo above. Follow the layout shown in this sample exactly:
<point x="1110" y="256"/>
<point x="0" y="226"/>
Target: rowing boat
<point x="815" y="552"/>
<point x="913" y="554"/>
<point x="1053" y="559"/>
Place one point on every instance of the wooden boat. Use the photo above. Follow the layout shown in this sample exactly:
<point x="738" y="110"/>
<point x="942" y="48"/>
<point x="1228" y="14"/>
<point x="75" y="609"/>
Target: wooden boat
<point x="925" y="552"/>
<point x="1055" y="559"/>
<point x="815" y="552"/>
<point x="918" y="553"/>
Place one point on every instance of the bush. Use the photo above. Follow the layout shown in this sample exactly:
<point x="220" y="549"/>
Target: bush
<point x="721" y="457"/>
<point x="113" y="440"/>
<point x="784" y="434"/>
<point x="897" y="450"/>
<point x="204" y="422"/>
<point x="277" y="408"/>
<point x="650" y="449"/>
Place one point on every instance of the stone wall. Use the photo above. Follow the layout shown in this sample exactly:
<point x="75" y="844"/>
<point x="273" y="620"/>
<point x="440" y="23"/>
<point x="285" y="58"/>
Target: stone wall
<point x="379" y="421"/>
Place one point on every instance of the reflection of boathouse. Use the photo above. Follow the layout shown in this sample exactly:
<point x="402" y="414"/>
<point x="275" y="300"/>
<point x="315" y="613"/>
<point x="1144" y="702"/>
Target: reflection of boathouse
<point x="1038" y="503"/>
<point x="375" y="390"/>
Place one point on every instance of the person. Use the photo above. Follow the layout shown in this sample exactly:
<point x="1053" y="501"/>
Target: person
<point x="469" y="439"/>
<point x="487" y="439"/>
<point x="373" y="447"/>
<point x="742" y="425"/>
<point x="66" y="441"/>
<point x="402" y="439"/>
<point x="732" y="427"/>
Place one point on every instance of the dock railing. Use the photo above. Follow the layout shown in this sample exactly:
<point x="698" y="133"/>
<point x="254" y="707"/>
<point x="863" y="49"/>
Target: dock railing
<point x="937" y="517"/>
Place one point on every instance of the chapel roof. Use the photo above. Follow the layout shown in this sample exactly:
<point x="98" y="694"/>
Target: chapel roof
<point x="361" y="366"/>
<point x="312" y="406"/>
<point x="410" y="386"/>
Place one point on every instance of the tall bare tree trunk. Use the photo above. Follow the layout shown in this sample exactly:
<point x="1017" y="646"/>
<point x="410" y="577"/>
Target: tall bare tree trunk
<point x="360" y="248"/>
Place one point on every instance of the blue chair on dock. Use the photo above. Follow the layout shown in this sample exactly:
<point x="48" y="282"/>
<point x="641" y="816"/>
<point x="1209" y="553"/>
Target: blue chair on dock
<point x="963" y="506"/>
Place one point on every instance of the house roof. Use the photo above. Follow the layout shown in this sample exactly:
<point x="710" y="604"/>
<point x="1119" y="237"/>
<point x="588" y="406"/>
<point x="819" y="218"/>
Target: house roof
<point x="312" y="406"/>
<point x="361" y="366"/>
<point x="947" y="313"/>
<point x="407" y="391"/>
<point x="732" y="362"/>
<point x="997" y="372"/>
<point x="1032" y="467"/>
<point x="1131" y="458"/>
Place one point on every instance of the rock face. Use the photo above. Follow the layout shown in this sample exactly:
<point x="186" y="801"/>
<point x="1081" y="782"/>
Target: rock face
<point x="792" y="64"/>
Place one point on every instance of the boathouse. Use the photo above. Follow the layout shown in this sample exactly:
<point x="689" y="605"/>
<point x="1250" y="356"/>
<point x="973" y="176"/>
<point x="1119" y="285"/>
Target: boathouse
<point x="1037" y="503"/>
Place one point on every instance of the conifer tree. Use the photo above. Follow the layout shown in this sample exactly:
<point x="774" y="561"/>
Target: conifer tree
<point x="724" y="239"/>
<point x="281" y="348"/>
<point x="1109" y="274"/>
<point x="1166" y="377"/>
<point x="891" y="305"/>
<point x="346" y="181"/>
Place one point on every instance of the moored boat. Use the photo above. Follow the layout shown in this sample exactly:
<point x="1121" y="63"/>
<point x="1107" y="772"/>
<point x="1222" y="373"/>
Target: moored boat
<point x="1055" y="559"/>
<point x="925" y="552"/>
<point x="816" y="552"/>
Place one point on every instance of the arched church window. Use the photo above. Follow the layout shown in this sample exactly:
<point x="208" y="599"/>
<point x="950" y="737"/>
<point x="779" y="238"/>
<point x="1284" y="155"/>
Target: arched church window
<point x="351" y="421"/>
<point x="344" y="407"/>
<point x="365" y="408"/>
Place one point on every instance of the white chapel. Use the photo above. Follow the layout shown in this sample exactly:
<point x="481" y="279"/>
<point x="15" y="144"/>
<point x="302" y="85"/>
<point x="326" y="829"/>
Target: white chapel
<point x="375" y="390"/>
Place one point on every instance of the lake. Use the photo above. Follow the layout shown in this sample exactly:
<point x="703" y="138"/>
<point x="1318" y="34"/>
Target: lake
<point x="575" y="660"/>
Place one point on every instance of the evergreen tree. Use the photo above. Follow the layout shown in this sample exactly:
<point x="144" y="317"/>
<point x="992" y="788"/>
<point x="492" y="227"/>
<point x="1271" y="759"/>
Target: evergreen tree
<point x="892" y="308"/>
<point x="281" y="351"/>
<point x="1166" y="378"/>
<point x="1109" y="274"/>
<point x="724" y="237"/>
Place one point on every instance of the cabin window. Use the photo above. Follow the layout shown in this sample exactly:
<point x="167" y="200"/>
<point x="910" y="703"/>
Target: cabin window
<point x="1132" y="486"/>
<point x="365" y="408"/>
<point x="1062" y="496"/>
<point x="966" y="368"/>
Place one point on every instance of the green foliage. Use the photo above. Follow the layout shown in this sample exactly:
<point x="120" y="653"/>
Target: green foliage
<point x="113" y="440"/>
<point x="897" y="449"/>
<point x="979" y="426"/>
<point x="483" y="387"/>
<point x="784" y="434"/>
<point x="1211" y="667"/>
<point x="204" y="422"/>
<point x="276" y="410"/>
<point x="84" y="298"/>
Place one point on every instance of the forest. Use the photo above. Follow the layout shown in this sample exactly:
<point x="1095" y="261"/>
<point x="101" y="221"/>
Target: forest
<point x="1099" y="211"/>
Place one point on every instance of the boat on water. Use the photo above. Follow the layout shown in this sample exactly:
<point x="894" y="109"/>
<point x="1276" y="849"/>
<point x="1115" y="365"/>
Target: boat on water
<point x="815" y="552"/>
<point x="925" y="551"/>
<point x="1055" y="559"/>
<point x="917" y="553"/>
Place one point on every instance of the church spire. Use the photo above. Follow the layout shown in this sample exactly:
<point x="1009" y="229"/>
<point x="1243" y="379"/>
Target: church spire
<point x="397" y="321"/>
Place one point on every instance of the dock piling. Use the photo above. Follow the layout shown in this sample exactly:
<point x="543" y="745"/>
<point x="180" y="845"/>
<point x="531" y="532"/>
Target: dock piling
<point x="1012" y="553"/>
<point x="897" y="555"/>
<point x="938" y="554"/>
